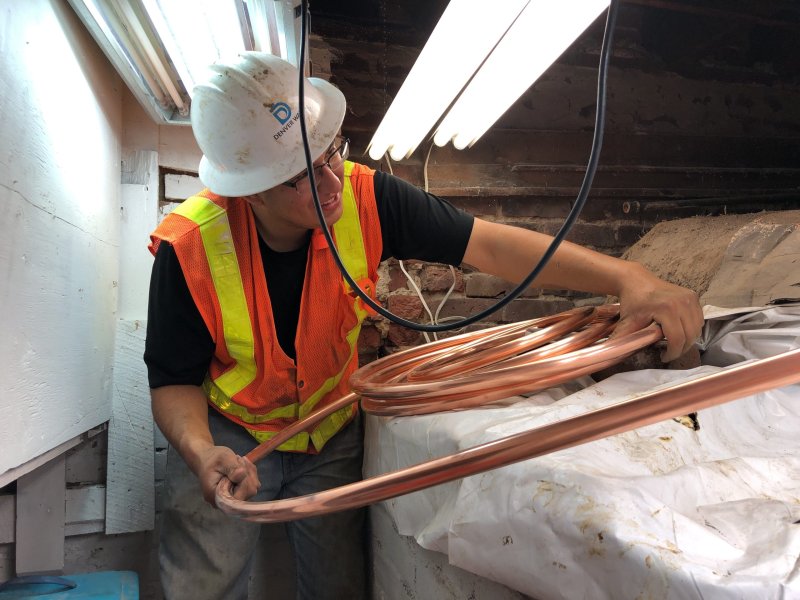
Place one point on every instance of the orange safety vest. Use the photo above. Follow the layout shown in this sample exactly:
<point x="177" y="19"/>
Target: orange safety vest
<point x="250" y="379"/>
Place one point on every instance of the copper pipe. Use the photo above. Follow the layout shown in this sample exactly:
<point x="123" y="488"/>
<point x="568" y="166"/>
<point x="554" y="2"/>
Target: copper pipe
<point x="474" y="388"/>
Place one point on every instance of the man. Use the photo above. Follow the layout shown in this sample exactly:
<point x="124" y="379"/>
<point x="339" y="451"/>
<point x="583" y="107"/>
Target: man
<point x="250" y="326"/>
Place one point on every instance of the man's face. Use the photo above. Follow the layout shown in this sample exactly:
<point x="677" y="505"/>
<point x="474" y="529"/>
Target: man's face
<point x="292" y="205"/>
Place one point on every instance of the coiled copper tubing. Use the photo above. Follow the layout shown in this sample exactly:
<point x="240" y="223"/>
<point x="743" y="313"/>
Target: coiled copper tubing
<point x="485" y="366"/>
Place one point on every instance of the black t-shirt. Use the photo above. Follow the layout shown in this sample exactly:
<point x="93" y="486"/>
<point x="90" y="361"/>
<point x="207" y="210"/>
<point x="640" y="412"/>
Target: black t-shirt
<point x="179" y="347"/>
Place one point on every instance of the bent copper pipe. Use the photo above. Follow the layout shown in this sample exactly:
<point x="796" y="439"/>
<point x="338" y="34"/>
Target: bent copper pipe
<point x="386" y="388"/>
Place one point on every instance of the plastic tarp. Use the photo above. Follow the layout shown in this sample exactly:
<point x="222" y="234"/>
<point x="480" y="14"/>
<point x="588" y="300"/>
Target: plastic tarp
<point x="664" y="511"/>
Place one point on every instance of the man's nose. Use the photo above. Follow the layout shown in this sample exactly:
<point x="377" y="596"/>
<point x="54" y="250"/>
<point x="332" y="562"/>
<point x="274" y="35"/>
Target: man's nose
<point x="329" y="181"/>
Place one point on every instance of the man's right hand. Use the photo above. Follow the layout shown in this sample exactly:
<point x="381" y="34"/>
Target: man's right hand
<point x="217" y="462"/>
<point x="181" y="412"/>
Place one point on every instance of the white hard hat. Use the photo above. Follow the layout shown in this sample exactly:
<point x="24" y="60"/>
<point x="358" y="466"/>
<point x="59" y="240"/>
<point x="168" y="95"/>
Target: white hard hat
<point x="245" y="118"/>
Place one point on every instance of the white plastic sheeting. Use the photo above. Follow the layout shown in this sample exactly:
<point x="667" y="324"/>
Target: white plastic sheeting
<point x="663" y="512"/>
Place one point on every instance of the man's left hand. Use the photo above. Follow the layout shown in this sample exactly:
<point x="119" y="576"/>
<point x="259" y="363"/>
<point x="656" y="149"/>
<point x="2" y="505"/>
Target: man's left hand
<point x="645" y="298"/>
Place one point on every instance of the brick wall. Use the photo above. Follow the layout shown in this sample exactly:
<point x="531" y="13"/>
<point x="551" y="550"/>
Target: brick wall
<point x="705" y="123"/>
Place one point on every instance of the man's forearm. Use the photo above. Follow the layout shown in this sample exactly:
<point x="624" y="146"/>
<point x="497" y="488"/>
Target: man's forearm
<point x="512" y="252"/>
<point x="181" y="412"/>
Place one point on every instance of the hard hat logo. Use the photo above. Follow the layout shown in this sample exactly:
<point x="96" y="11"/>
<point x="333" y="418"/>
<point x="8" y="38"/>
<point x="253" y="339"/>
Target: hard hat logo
<point x="234" y="113"/>
<point x="285" y="128"/>
<point x="281" y="111"/>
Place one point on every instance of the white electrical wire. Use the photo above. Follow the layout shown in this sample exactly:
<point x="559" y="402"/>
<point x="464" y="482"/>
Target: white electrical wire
<point x="414" y="286"/>
<point x="434" y="317"/>
<point x="436" y="320"/>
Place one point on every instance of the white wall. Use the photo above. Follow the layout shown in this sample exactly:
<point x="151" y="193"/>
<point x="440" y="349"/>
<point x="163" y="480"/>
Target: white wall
<point x="60" y="123"/>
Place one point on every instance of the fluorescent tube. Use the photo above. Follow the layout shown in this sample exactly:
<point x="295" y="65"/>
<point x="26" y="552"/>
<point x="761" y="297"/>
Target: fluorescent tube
<point x="544" y="30"/>
<point x="464" y="36"/>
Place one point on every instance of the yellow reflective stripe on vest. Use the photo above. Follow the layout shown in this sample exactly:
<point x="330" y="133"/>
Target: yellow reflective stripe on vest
<point x="219" y="399"/>
<point x="299" y="443"/>
<point x="349" y="240"/>
<point x="215" y="231"/>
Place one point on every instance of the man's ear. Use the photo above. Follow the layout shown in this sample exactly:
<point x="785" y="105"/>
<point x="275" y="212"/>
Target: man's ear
<point x="254" y="199"/>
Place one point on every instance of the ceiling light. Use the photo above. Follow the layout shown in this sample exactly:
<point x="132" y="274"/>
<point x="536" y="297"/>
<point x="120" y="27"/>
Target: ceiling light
<point x="482" y="59"/>
<point x="464" y="36"/>
<point x="543" y="31"/>
<point x="161" y="48"/>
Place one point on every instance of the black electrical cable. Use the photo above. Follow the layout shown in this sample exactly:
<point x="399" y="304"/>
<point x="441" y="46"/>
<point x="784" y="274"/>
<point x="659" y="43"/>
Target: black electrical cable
<point x="594" y="157"/>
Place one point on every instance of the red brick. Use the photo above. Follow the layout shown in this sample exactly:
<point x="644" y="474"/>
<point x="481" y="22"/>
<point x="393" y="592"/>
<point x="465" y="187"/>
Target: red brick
<point x="397" y="279"/>
<point x="481" y="285"/>
<point x="368" y="357"/>
<point x="464" y="307"/>
<point x="402" y="336"/>
<point x="479" y="326"/>
<point x="369" y="340"/>
<point x="405" y="306"/>
<point x="567" y="294"/>
<point x="436" y="278"/>
<point x="525" y="309"/>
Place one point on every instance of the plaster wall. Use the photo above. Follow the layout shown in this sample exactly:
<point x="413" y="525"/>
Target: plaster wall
<point x="60" y="113"/>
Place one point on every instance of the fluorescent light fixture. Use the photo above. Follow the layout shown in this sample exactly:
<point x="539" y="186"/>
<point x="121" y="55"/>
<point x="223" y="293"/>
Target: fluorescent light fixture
<point x="276" y="27"/>
<point x="265" y="27"/>
<point x="161" y="48"/>
<point x="511" y="59"/>
<point x="196" y="33"/>
<point x="152" y="57"/>
<point x="463" y="38"/>
<point x="287" y="16"/>
<point x="544" y="30"/>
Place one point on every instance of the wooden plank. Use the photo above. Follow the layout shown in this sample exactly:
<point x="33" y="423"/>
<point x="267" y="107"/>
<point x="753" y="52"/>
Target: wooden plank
<point x="165" y="208"/>
<point x="138" y="218"/>
<point x="85" y="510"/>
<point x="86" y="463"/>
<point x="129" y="497"/>
<point x="718" y="13"/>
<point x="686" y="148"/>
<point x="137" y="168"/>
<point x="33" y="464"/>
<point x="179" y="186"/>
<point x="496" y="180"/>
<point x="59" y="192"/>
<point x="130" y="505"/>
<point x="40" y="519"/>
<point x="8" y="518"/>
<point x="159" y="440"/>
<point x="161" y="463"/>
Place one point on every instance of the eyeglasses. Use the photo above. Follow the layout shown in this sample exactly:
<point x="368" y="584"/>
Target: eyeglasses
<point x="334" y="157"/>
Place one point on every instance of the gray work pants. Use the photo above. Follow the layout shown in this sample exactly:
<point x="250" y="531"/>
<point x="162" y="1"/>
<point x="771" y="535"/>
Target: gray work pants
<point x="207" y="555"/>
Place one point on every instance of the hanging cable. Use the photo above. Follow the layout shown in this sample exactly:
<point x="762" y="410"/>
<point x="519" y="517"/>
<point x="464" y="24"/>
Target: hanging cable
<point x="594" y="157"/>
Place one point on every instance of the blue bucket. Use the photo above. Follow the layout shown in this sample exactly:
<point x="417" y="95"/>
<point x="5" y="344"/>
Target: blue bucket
<point x="104" y="585"/>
